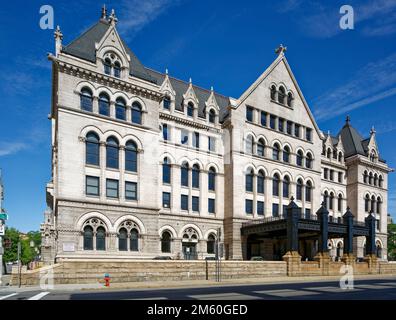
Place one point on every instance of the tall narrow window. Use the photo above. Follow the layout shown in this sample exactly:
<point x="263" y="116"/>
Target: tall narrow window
<point x="136" y="113"/>
<point x="111" y="188"/>
<point x="100" y="239"/>
<point x="131" y="157"/>
<point x="373" y="206"/>
<point x="107" y="66"/>
<point x="210" y="247"/>
<point x="340" y="177"/>
<point x="249" y="114"/>
<point x="308" y="191"/>
<point x="299" y="158"/>
<point x="286" y="154"/>
<point x="134" y="240"/>
<point x="260" y="182"/>
<point x="184" y="202"/>
<point x="104" y="104"/>
<point x="299" y="189"/>
<point x="275" y="210"/>
<point x="249" y="206"/>
<point x="365" y="177"/>
<point x="184" y="174"/>
<point x="380" y="181"/>
<point x="260" y="208"/>
<point x="367" y="203"/>
<point x="379" y="202"/>
<point x="212" y="179"/>
<point x="86" y="100"/>
<point x="212" y="116"/>
<point x="286" y="187"/>
<point x="120" y="109"/>
<point x="166" y="242"/>
<point x="123" y="240"/>
<point x="212" y="144"/>
<point x="92" y="149"/>
<point x="196" y="140"/>
<point x="184" y="137"/>
<point x="308" y="161"/>
<point x="275" y="185"/>
<point x="190" y="109"/>
<point x="339" y="206"/>
<point x="281" y="95"/>
<point x="88" y="238"/>
<point x="273" y="93"/>
<point x="260" y="148"/>
<point x="326" y="199"/>
<point x="195" y="176"/>
<point x="289" y="99"/>
<point x="331" y="201"/>
<point x="117" y="70"/>
<point x="211" y="205"/>
<point x="308" y="134"/>
<point x="272" y="122"/>
<point x="289" y="127"/>
<point x="249" y="181"/>
<point x="112" y="153"/>
<point x="281" y="124"/>
<point x="371" y="178"/>
<point x="275" y="152"/>
<point x="166" y="171"/>
<point x="165" y="134"/>
<point x="195" y="204"/>
<point x="263" y="119"/>
<point x="340" y="156"/>
<point x="167" y="103"/>
<point x="249" y="145"/>
<point x="375" y="180"/>
<point x="131" y="191"/>
<point x="297" y="130"/>
<point x="166" y="200"/>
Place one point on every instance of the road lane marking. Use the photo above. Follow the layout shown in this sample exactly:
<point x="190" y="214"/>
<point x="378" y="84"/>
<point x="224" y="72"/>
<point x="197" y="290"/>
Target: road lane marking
<point x="393" y="284"/>
<point x="372" y="286"/>
<point x="8" y="296"/>
<point x="287" y="293"/>
<point x="155" y="298"/>
<point x="39" y="296"/>
<point x="331" y="289"/>
<point x="225" y="296"/>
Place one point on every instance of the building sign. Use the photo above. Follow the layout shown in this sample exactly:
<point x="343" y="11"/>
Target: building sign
<point x="2" y="229"/>
<point x="68" y="247"/>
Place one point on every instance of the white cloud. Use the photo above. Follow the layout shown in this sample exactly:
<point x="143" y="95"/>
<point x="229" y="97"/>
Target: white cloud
<point x="8" y="148"/>
<point x="374" y="82"/>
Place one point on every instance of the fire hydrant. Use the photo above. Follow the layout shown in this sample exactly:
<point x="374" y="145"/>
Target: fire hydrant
<point x="107" y="280"/>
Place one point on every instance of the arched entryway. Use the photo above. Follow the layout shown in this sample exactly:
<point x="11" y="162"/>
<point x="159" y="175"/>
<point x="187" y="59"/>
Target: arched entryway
<point x="189" y="244"/>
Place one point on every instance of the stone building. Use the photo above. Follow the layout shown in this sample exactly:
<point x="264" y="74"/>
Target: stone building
<point x="147" y="165"/>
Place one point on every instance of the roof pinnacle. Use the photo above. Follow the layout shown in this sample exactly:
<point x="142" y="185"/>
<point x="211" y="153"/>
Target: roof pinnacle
<point x="281" y="50"/>
<point x="103" y="15"/>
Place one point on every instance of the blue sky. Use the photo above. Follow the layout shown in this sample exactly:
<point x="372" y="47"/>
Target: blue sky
<point x="227" y="44"/>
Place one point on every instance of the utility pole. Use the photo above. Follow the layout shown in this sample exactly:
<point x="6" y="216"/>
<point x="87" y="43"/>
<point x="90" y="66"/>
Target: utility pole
<point x="3" y="218"/>
<point x="19" y="263"/>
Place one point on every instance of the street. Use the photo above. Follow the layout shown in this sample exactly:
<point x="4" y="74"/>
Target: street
<point x="373" y="289"/>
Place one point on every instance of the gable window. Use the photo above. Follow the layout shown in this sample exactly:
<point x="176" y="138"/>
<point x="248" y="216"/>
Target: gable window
<point x="104" y="104"/>
<point x="281" y="95"/>
<point x="111" y="188"/>
<point x="86" y="100"/>
<point x="112" y="153"/>
<point x="91" y="186"/>
<point x="212" y="116"/>
<point x="263" y="119"/>
<point x="340" y="156"/>
<point x="249" y="114"/>
<point x="120" y="109"/>
<point x="166" y="171"/>
<point x="131" y="156"/>
<point x="131" y="190"/>
<point x="92" y="149"/>
<point x="167" y="103"/>
<point x="117" y="70"/>
<point x="136" y="113"/>
<point x="190" y="109"/>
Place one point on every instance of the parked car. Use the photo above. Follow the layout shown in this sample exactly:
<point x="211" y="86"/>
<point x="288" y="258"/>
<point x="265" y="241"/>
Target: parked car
<point x="257" y="258"/>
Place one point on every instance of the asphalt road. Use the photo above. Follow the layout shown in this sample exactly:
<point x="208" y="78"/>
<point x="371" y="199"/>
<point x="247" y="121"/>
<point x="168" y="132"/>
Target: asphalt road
<point x="379" y="289"/>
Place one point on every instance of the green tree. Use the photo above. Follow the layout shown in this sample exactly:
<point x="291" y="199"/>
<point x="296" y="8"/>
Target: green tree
<point x="392" y="242"/>
<point x="11" y="254"/>
<point x="28" y="253"/>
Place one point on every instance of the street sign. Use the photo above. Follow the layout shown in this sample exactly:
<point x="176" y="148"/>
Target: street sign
<point x="3" y="216"/>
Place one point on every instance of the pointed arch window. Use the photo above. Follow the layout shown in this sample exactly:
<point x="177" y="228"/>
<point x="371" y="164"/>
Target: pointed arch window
<point x="308" y="191"/>
<point x="195" y="176"/>
<point x="120" y="109"/>
<point x="86" y="99"/>
<point x="131" y="153"/>
<point x="88" y="238"/>
<point x="136" y="113"/>
<point x="104" y="104"/>
<point x="371" y="178"/>
<point x="166" y="240"/>
<point x="100" y="239"/>
<point x="112" y="153"/>
<point x="275" y="185"/>
<point x="212" y="179"/>
<point x="375" y="180"/>
<point x="286" y="187"/>
<point x="166" y="171"/>
<point x="379" y="202"/>
<point x="331" y="202"/>
<point x="286" y="154"/>
<point x="249" y="181"/>
<point x="261" y="148"/>
<point x="299" y="189"/>
<point x="326" y="199"/>
<point x="92" y="149"/>
<point x="299" y="159"/>
<point x="373" y="204"/>
<point x="260" y="182"/>
<point x="365" y="177"/>
<point x="381" y="181"/>
<point x="276" y="152"/>
<point x="184" y="174"/>
<point x="339" y="203"/>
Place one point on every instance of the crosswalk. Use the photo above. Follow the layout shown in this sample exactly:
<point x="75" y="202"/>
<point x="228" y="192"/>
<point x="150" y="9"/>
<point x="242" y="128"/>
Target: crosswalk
<point x="23" y="296"/>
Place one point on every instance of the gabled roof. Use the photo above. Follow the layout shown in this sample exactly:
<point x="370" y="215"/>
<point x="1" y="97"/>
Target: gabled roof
<point x="334" y="140"/>
<point x="203" y="95"/>
<point x="352" y="141"/>
<point x="84" y="48"/>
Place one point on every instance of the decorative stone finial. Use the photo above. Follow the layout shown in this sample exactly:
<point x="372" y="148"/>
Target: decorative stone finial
<point x="112" y="18"/>
<point x="190" y="81"/>
<point x="291" y="199"/>
<point x="58" y="33"/>
<point x="58" y="40"/>
<point x="372" y="131"/>
<point x="103" y="15"/>
<point x="281" y="50"/>
<point x="166" y="71"/>
<point x="348" y="120"/>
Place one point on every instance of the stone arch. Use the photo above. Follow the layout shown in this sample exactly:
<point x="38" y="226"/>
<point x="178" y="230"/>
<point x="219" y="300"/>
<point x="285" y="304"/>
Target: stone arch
<point x="193" y="226"/>
<point x="134" y="219"/>
<point x="168" y="228"/>
<point x="94" y="214"/>
<point x="210" y="231"/>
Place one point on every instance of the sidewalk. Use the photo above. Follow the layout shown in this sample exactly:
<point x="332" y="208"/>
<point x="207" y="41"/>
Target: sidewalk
<point x="188" y="284"/>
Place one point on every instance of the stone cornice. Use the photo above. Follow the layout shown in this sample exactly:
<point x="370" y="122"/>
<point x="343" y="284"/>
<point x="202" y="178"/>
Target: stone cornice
<point x="187" y="122"/>
<point x="103" y="79"/>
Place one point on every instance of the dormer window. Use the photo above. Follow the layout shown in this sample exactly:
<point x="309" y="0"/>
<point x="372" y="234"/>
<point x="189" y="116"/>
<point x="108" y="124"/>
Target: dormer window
<point x="190" y="109"/>
<point x="167" y="103"/>
<point x="373" y="156"/>
<point x="212" y="116"/>
<point x="107" y="66"/>
<point x="112" y="65"/>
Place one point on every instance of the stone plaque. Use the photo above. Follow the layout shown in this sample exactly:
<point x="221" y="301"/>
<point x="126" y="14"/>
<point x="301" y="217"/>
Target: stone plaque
<point x="68" y="247"/>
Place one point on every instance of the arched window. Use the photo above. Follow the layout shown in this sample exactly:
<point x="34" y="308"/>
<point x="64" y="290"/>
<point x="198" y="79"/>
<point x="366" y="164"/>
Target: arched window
<point x="276" y="152"/>
<point x="249" y="181"/>
<point x="275" y="185"/>
<point x="134" y="240"/>
<point x="195" y="176"/>
<point x="375" y="180"/>
<point x="166" y="171"/>
<point x="136" y="113"/>
<point x="340" y="203"/>
<point x="326" y="199"/>
<point x="286" y="187"/>
<point x="286" y="154"/>
<point x="211" y="244"/>
<point x="273" y="92"/>
<point x="212" y="116"/>
<point x="378" y="250"/>
<point x="92" y="149"/>
<point x="308" y="191"/>
<point x="335" y="154"/>
<point x="367" y="203"/>
<point x="117" y="70"/>
<point x="166" y="240"/>
<point x="120" y="109"/>
<point x="100" y="239"/>
<point x="365" y="177"/>
<point x="88" y="238"/>
<point x="104" y="104"/>
<point x="260" y="182"/>
<point x="379" y="205"/>
<point x="373" y="156"/>
<point x="328" y="153"/>
<point x="340" y="156"/>
<point x="261" y="148"/>
<point x="184" y="174"/>
<point x="112" y="154"/>
<point x="381" y="181"/>
<point x="123" y="240"/>
<point x="371" y="178"/>
<point x="299" y="189"/>
<point x="249" y="145"/>
<point x="131" y="152"/>
<point x="331" y="202"/>
<point x="107" y="66"/>
<point x="190" y="109"/>
<point x="373" y="206"/>
<point x="86" y="100"/>
<point x="289" y="99"/>
<point x="308" y="161"/>
<point x="281" y="95"/>
<point x="299" y="159"/>
<point x="167" y="102"/>
<point x="212" y="179"/>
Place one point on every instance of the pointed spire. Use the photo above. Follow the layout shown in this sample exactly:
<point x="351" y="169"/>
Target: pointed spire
<point x="190" y="81"/>
<point x="348" y="120"/>
<point x="281" y="50"/>
<point x="103" y="15"/>
<point x="372" y="131"/>
<point x="58" y="40"/>
<point x="112" y="18"/>
<point x="167" y="71"/>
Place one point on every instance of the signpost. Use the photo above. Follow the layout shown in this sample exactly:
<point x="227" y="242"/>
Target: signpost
<point x="2" y="233"/>
<point x="219" y="254"/>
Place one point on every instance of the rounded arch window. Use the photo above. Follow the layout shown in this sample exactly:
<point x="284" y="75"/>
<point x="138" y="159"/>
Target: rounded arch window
<point x="276" y="152"/>
<point x="375" y="180"/>
<point x="365" y="177"/>
<point x="308" y="191"/>
<point x="92" y="149"/>
<point x="299" y="190"/>
<point x="131" y="153"/>
<point x="136" y="113"/>
<point x="326" y="199"/>
<point x="286" y="187"/>
<point x="261" y="148"/>
<point x="380" y="181"/>
<point x="123" y="240"/>
<point x="195" y="176"/>
<point x="211" y="244"/>
<point x="273" y="92"/>
<point x="212" y="179"/>
<point x="107" y="66"/>
<point x="184" y="174"/>
<point x="275" y="185"/>
<point x="86" y="98"/>
<point x="167" y="102"/>
<point x="331" y="201"/>
<point x="117" y="69"/>
<point x="166" y="240"/>
<point x="371" y="178"/>
<point x="249" y="180"/>
<point x="260" y="182"/>
<point x="249" y="144"/>
<point x="212" y="116"/>
<point x="120" y="109"/>
<point x="112" y="153"/>
<point x="104" y="104"/>
<point x="281" y="95"/>
<point x="367" y="203"/>
<point x="166" y="171"/>
<point x="100" y="239"/>
<point x="88" y="238"/>
<point x="286" y="154"/>
<point x="134" y="240"/>
<point x="289" y="99"/>
<point x="190" y="109"/>
<point x="299" y="159"/>
<point x="309" y="160"/>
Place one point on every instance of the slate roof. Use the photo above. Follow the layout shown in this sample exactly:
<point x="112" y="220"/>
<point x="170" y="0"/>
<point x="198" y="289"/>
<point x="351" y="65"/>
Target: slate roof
<point x="84" y="47"/>
<point x="352" y="141"/>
